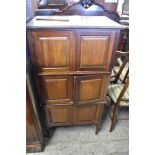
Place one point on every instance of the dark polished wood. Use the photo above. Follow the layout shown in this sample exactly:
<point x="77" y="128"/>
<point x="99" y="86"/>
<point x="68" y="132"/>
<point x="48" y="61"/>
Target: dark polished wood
<point x="116" y="77"/>
<point x="34" y="136"/>
<point x="117" y="82"/>
<point x="36" y="133"/>
<point x="117" y="104"/>
<point x="55" y="4"/>
<point x="94" y="50"/>
<point x="56" y="89"/>
<point x="62" y="46"/>
<point x="72" y="65"/>
<point x="90" y="89"/>
<point x="88" y="8"/>
<point x="124" y="41"/>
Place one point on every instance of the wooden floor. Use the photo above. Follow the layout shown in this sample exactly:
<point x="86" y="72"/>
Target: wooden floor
<point x="81" y="140"/>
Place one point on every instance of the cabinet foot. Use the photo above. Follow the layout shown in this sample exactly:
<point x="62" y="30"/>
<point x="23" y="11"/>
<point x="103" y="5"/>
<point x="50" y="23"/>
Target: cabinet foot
<point x="98" y="126"/>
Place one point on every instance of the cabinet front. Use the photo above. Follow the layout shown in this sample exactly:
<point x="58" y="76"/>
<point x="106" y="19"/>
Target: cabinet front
<point x="53" y="51"/>
<point x="56" y="114"/>
<point x="56" y="89"/>
<point x="88" y="113"/>
<point x="90" y="89"/>
<point x="94" y="50"/>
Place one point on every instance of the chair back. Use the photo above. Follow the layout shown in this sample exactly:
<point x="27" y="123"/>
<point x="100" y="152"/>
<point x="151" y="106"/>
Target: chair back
<point x="122" y="67"/>
<point x="125" y="87"/>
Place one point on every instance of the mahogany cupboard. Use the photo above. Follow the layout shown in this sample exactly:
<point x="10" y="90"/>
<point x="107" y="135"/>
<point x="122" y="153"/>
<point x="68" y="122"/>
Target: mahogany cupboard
<point x="72" y="57"/>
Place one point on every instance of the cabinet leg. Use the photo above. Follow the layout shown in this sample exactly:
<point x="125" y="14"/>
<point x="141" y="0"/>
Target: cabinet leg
<point x="98" y="126"/>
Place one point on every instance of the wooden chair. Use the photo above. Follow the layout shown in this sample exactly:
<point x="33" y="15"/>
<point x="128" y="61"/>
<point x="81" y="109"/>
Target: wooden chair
<point x="119" y="95"/>
<point x="121" y="71"/>
<point x="118" y="91"/>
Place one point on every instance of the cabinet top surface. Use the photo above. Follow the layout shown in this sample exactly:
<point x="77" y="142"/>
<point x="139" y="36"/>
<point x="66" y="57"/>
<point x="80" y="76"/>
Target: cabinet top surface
<point x="73" y="22"/>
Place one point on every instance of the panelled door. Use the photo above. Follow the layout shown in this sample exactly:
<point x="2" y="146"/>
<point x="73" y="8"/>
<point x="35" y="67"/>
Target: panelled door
<point x="90" y="88"/>
<point x="87" y="113"/>
<point x="58" y="114"/>
<point x="53" y="51"/>
<point x="94" y="50"/>
<point x="57" y="89"/>
<point x="72" y="99"/>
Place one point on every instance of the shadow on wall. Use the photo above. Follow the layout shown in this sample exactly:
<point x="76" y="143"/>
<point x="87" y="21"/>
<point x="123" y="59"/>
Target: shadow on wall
<point x="28" y="10"/>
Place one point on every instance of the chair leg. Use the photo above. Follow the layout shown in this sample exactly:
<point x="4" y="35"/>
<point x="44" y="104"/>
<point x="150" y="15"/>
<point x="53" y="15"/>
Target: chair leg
<point x="114" y="118"/>
<point x="113" y="122"/>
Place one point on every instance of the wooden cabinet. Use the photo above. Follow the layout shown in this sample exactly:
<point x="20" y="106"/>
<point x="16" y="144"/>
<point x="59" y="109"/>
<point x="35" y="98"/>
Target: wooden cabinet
<point x="72" y="66"/>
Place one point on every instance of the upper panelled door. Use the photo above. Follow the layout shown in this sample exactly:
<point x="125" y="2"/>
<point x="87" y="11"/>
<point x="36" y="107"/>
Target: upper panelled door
<point x="54" y="51"/>
<point x="91" y="89"/>
<point x="94" y="50"/>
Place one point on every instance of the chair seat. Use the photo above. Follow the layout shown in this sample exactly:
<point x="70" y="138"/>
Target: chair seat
<point x="114" y="92"/>
<point x="116" y="70"/>
<point x="119" y="61"/>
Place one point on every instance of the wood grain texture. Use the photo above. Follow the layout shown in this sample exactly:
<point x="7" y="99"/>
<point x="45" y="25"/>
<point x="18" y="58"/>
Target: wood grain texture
<point x="73" y="73"/>
<point x="58" y="114"/>
<point x="86" y="113"/>
<point x="54" y="51"/>
<point x="31" y="134"/>
<point x="91" y="9"/>
<point x="72" y="62"/>
<point x="94" y="50"/>
<point x="57" y="89"/>
<point x="90" y="89"/>
<point x="34" y="136"/>
<point x="93" y="47"/>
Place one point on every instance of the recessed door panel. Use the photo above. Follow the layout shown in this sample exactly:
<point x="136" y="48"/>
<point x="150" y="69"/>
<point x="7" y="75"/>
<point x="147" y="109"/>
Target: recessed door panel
<point x="90" y="89"/>
<point x="57" y="89"/>
<point x="54" y="51"/>
<point x="88" y="113"/>
<point x="95" y="50"/>
<point x="56" y="114"/>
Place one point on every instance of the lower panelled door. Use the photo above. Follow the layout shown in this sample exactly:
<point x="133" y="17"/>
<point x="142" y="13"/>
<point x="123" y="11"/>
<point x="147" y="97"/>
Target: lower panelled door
<point x="58" y="115"/>
<point x="89" y="96"/>
<point x="89" y="113"/>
